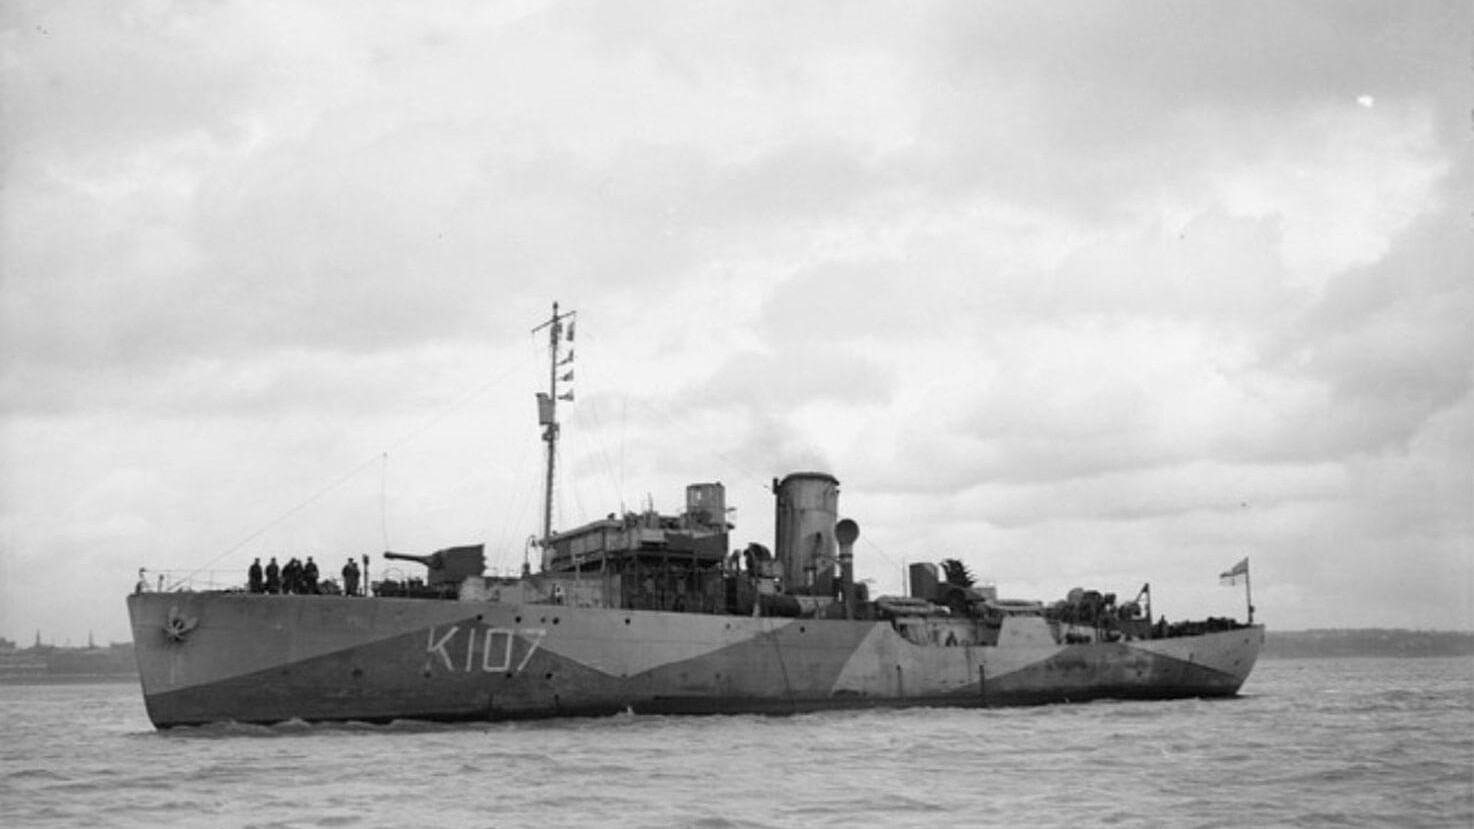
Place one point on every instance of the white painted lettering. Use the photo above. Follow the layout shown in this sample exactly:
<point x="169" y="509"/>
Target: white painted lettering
<point x="537" y="635"/>
<point x="486" y="665"/>
<point x="496" y="657"/>
<point x="433" y="646"/>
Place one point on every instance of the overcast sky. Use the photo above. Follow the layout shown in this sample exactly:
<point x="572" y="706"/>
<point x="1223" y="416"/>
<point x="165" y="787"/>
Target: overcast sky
<point x="1083" y="294"/>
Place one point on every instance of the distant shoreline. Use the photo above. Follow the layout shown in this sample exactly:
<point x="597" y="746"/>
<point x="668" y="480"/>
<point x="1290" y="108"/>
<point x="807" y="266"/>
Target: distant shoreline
<point x="52" y="665"/>
<point x="1365" y="642"/>
<point x="70" y="679"/>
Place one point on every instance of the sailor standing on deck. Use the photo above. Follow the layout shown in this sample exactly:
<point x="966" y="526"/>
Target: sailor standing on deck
<point x="257" y="583"/>
<point x="309" y="576"/>
<point x="273" y="577"/>
<point x="350" y="577"/>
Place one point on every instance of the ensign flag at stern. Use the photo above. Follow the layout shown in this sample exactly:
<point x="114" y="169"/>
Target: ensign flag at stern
<point x="1231" y="575"/>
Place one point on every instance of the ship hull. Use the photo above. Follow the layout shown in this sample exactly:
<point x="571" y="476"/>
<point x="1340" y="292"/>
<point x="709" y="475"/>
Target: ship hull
<point x="213" y="657"/>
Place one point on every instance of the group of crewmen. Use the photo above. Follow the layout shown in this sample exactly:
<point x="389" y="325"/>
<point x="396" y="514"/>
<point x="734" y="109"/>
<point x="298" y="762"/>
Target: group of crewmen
<point x="298" y="577"/>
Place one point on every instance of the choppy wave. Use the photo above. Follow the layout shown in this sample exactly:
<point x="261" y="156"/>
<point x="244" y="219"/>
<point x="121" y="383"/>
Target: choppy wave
<point x="1311" y="743"/>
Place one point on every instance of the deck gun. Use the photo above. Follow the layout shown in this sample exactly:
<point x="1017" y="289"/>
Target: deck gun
<point x="450" y="566"/>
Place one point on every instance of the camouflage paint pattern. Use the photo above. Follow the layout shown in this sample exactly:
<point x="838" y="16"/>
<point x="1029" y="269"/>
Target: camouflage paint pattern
<point x="210" y="657"/>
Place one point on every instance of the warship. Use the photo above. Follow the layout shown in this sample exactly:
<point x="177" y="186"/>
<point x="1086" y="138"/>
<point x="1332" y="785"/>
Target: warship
<point x="655" y="613"/>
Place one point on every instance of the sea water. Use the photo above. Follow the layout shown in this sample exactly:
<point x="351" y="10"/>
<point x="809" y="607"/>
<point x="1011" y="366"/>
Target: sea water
<point x="1356" y="742"/>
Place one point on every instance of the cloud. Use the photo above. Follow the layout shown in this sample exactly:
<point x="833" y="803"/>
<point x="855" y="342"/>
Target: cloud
<point x="1078" y="291"/>
<point x="1386" y="348"/>
<point x="135" y="76"/>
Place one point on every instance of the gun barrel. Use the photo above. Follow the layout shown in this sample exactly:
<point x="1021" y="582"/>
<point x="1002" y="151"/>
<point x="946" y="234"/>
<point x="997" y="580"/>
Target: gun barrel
<point x="449" y="566"/>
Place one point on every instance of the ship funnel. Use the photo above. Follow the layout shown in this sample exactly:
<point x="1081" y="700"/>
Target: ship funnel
<point x="804" y="539"/>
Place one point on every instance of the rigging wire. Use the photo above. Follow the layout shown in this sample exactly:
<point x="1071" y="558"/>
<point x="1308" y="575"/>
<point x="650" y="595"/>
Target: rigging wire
<point x="901" y="565"/>
<point x="558" y="493"/>
<point x="587" y="442"/>
<point x="516" y="509"/>
<point x="309" y="501"/>
<point x="527" y="482"/>
<point x="614" y="471"/>
<point x="377" y="457"/>
<point x="600" y="449"/>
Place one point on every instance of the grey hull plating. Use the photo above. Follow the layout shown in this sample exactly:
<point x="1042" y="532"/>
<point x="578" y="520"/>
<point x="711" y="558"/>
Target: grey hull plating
<point x="211" y="657"/>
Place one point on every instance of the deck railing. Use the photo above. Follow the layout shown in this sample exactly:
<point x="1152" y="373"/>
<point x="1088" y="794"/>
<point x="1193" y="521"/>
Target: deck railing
<point x="174" y="581"/>
<point x="177" y="581"/>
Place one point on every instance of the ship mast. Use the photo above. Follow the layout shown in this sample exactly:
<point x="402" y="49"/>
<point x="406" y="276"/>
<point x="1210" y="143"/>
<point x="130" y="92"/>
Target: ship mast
<point x="547" y="405"/>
